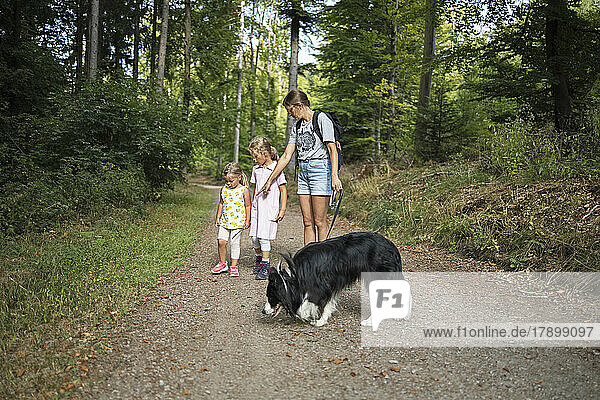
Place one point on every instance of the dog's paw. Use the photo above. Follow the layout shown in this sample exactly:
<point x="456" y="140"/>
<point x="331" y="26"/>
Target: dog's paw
<point x="366" y="322"/>
<point x="318" y="322"/>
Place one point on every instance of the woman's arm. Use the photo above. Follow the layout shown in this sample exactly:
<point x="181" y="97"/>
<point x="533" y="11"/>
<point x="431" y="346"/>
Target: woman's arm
<point x="336" y="184"/>
<point x="248" y="205"/>
<point x="284" y="160"/>
<point x="282" y="202"/>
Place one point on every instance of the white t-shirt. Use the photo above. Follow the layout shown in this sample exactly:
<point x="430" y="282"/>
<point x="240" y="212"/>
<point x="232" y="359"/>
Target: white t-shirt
<point x="308" y="144"/>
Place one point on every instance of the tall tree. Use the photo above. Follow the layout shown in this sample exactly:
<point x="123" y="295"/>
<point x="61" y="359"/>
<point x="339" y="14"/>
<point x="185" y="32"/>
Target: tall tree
<point x="153" y="39"/>
<point x="425" y="145"/>
<point x="187" y="58"/>
<point x="93" y="40"/>
<point x="556" y="31"/>
<point x="162" y="51"/>
<point x="240" y="66"/>
<point x="294" y="11"/>
<point x="136" y="39"/>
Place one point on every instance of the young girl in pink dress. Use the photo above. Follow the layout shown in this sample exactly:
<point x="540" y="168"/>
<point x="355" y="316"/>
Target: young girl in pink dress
<point x="267" y="209"/>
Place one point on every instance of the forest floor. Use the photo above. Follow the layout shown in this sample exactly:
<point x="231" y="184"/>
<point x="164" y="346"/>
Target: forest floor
<point x="202" y="336"/>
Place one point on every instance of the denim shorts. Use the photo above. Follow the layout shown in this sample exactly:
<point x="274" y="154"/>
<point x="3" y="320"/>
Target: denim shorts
<point x="314" y="177"/>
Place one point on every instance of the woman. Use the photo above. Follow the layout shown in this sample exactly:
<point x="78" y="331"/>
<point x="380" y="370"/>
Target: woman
<point x="317" y="164"/>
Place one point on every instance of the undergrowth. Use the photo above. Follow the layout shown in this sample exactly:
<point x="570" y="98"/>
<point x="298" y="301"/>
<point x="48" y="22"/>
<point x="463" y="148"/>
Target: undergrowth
<point x="59" y="283"/>
<point x="517" y="222"/>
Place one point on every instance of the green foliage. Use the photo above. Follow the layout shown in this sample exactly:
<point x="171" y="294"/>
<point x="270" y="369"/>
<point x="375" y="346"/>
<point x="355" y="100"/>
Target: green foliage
<point x="521" y="148"/>
<point x="105" y="147"/>
<point x="28" y="76"/>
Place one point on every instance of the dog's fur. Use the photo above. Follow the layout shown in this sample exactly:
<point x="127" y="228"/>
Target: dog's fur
<point x="320" y="270"/>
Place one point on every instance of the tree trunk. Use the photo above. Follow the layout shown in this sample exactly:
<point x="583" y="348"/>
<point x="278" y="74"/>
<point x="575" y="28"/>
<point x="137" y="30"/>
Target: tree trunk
<point x="93" y="35"/>
<point x="293" y="75"/>
<point x="393" y="51"/>
<point x="187" y="60"/>
<point x="238" y="117"/>
<point x="253" y="92"/>
<point x="424" y="145"/>
<point x="136" y="40"/>
<point x="162" y="50"/>
<point x="153" y="39"/>
<point x="252" y="82"/>
<point x="80" y="27"/>
<point x="559" y="79"/>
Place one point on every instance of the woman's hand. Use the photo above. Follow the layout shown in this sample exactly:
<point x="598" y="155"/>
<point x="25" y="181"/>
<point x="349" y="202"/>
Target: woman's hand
<point x="336" y="184"/>
<point x="247" y="223"/>
<point x="266" y="188"/>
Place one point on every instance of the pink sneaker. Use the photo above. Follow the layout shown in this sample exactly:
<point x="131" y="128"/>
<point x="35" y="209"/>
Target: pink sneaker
<point x="233" y="271"/>
<point x="220" y="267"/>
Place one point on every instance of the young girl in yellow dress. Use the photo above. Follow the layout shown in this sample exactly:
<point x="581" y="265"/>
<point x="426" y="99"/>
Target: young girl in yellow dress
<point x="233" y="216"/>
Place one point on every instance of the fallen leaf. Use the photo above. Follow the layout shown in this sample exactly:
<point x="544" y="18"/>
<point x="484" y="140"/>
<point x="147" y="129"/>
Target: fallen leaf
<point x="288" y="355"/>
<point x="174" y="359"/>
<point x="436" y="379"/>
<point x="186" y="392"/>
<point x="507" y="369"/>
<point x="340" y="330"/>
<point x="538" y="383"/>
<point x="20" y="372"/>
<point x="69" y="367"/>
<point x="291" y="344"/>
<point x="69" y="386"/>
<point x="338" y="360"/>
<point x="395" y="369"/>
<point x="147" y="341"/>
<point x="298" y="376"/>
<point x="423" y="359"/>
<point x="204" y="369"/>
<point x="352" y="373"/>
<point x="84" y="368"/>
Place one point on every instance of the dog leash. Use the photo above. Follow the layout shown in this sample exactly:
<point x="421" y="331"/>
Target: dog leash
<point x="332" y="200"/>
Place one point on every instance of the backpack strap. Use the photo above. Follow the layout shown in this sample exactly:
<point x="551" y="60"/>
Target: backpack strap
<point x="315" y="123"/>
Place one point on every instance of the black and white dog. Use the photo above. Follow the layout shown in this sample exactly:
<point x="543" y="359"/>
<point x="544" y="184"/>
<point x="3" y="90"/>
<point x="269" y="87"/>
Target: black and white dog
<point x="320" y="270"/>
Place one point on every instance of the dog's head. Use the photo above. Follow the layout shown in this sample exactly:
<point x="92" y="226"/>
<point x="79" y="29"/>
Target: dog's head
<point x="281" y="290"/>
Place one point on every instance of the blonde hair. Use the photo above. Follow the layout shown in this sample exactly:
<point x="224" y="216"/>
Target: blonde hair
<point x="235" y="170"/>
<point x="261" y="145"/>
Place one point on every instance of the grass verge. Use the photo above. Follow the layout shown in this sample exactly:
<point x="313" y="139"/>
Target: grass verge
<point x="59" y="284"/>
<point x="519" y="224"/>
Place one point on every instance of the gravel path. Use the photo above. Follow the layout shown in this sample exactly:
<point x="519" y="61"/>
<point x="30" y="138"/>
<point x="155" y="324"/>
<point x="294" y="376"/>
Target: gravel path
<point x="201" y="336"/>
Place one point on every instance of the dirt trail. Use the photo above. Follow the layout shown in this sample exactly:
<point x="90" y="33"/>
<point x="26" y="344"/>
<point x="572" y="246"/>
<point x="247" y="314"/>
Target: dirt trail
<point x="201" y="336"/>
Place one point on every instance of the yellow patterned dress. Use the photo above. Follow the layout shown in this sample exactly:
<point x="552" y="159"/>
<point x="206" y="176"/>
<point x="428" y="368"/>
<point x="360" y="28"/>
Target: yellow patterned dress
<point x="234" y="208"/>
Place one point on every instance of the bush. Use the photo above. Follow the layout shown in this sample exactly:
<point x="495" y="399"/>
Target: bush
<point x="536" y="152"/>
<point x="106" y="147"/>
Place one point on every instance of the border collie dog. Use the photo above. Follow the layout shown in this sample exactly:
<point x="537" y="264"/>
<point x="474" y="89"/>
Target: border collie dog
<point x="320" y="270"/>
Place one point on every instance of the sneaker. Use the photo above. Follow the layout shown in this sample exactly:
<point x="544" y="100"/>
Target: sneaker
<point x="257" y="261"/>
<point x="233" y="271"/>
<point x="263" y="272"/>
<point x="220" y="267"/>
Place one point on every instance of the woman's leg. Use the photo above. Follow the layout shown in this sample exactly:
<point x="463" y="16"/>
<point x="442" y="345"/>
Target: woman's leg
<point x="307" y="218"/>
<point x="319" y="209"/>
